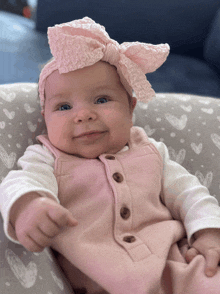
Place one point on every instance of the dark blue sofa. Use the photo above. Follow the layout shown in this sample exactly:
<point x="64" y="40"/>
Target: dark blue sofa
<point x="191" y="27"/>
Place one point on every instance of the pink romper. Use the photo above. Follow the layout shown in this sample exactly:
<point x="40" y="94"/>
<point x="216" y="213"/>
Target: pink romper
<point x="126" y="238"/>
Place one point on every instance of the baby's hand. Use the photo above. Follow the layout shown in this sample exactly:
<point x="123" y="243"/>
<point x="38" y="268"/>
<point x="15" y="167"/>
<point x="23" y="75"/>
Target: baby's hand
<point x="38" y="220"/>
<point x="208" y="244"/>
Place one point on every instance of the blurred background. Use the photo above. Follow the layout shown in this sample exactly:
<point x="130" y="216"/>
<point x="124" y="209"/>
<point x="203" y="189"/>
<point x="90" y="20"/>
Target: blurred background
<point x="21" y="7"/>
<point x="190" y="27"/>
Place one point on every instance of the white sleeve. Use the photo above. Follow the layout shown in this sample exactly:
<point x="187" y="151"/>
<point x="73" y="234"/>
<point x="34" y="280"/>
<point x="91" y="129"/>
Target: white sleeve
<point x="185" y="197"/>
<point x="35" y="174"/>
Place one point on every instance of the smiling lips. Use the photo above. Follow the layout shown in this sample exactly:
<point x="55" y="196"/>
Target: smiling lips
<point x="90" y="135"/>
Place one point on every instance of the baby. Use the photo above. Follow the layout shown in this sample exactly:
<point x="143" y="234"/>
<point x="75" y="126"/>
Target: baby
<point x="97" y="190"/>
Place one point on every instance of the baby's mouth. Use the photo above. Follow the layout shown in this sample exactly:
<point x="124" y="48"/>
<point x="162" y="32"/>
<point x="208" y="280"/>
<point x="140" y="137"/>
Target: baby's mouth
<point x="91" y="135"/>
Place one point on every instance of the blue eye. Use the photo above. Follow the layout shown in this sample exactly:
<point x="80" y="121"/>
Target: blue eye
<point x="102" y="100"/>
<point x="64" y="107"/>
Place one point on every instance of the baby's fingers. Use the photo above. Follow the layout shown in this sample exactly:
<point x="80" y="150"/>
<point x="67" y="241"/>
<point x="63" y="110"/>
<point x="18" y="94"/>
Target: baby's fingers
<point x="39" y="239"/>
<point x="212" y="260"/>
<point x="33" y="241"/>
<point x="190" y="254"/>
<point x="31" y="245"/>
<point x="61" y="216"/>
<point x="49" y="228"/>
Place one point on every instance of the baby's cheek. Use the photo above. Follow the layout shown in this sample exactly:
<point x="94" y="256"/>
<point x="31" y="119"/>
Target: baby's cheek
<point x="55" y="132"/>
<point x="109" y="114"/>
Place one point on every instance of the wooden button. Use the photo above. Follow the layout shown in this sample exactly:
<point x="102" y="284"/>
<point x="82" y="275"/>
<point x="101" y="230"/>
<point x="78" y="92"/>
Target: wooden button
<point x="129" y="239"/>
<point x="118" y="177"/>
<point x="125" y="212"/>
<point x="110" y="157"/>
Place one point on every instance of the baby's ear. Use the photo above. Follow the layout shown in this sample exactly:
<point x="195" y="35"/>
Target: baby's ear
<point x="42" y="113"/>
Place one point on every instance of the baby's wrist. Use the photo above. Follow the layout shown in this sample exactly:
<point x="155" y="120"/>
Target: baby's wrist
<point x="20" y="204"/>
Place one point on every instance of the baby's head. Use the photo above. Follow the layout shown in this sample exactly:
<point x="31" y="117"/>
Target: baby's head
<point x="86" y="90"/>
<point x="88" y="112"/>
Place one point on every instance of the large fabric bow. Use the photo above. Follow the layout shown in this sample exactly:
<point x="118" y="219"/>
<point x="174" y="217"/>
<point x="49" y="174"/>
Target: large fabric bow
<point x="83" y="42"/>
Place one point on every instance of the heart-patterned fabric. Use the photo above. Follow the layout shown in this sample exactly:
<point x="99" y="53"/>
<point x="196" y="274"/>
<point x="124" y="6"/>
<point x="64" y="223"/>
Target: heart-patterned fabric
<point x="189" y="126"/>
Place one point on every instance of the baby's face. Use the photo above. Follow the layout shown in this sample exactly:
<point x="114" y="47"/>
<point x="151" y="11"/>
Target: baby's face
<point x="87" y="111"/>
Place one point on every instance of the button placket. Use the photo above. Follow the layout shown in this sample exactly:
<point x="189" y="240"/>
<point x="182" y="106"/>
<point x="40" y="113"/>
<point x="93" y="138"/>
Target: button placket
<point x="124" y="211"/>
<point x="123" y="217"/>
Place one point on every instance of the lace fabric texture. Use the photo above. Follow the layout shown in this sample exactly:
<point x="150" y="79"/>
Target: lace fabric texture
<point x="83" y="42"/>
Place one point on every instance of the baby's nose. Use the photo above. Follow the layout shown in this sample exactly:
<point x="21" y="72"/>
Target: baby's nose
<point x="84" y="115"/>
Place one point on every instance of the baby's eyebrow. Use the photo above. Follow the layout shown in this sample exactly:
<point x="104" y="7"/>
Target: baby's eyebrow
<point x="56" y="96"/>
<point x="104" y="87"/>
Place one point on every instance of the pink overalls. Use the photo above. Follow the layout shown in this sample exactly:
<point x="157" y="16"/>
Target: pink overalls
<point x="126" y="239"/>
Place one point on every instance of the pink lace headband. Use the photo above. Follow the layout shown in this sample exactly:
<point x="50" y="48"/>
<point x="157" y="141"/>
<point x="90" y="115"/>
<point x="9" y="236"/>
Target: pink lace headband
<point x="83" y="42"/>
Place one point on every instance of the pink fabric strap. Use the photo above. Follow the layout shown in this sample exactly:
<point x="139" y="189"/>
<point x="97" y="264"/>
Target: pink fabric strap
<point x="83" y="42"/>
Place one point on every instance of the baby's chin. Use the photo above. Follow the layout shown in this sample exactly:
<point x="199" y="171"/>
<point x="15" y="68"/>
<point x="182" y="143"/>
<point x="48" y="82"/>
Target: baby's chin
<point x="92" y="151"/>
